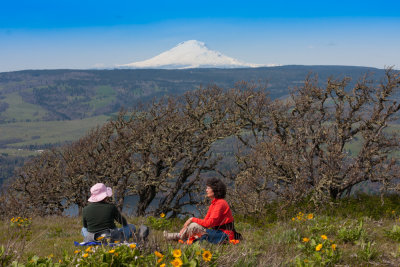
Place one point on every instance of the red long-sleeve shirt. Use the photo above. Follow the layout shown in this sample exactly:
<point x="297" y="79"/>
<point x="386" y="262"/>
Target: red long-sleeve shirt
<point x="218" y="213"/>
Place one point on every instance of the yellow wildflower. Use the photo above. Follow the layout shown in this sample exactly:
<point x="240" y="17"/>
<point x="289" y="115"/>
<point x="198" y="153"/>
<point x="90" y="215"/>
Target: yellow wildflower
<point x="158" y="254"/>
<point x="112" y="251"/>
<point x="310" y="216"/>
<point x="59" y="261"/>
<point x="77" y="251"/>
<point x="305" y="239"/>
<point x="116" y="253"/>
<point x="176" y="253"/>
<point x="162" y="265"/>
<point x="177" y="262"/>
<point x="159" y="260"/>
<point x="162" y="215"/>
<point x="100" y="238"/>
<point x="293" y="219"/>
<point x="305" y="260"/>
<point x="324" y="237"/>
<point x="334" y="246"/>
<point x="318" y="247"/>
<point x="50" y="256"/>
<point x="132" y="246"/>
<point x="89" y="249"/>
<point x="116" y="241"/>
<point x="207" y="255"/>
<point x="85" y="255"/>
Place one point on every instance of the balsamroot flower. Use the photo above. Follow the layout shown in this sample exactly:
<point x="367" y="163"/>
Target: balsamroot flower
<point x="132" y="246"/>
<point x="207" y="255"/>
<point x="177" y="262"/>
<point x="318" y="247"/>
<point x="324" y="237"/>
<point x="176" y="253"/>
<point x="85" y="255"/>
<point x="334" y="246"/>
<point x="158" y="254"/>
<point x="305" y="239"/>
<point x="162" y="215"/>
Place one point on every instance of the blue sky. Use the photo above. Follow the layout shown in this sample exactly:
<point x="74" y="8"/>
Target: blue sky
<point x="86" y="34"/>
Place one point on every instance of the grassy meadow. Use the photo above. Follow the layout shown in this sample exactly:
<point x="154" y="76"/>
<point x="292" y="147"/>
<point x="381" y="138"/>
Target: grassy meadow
<point x="47" y="132"/>
<point x="19" y="110"/>
<point x="361" y="231"/>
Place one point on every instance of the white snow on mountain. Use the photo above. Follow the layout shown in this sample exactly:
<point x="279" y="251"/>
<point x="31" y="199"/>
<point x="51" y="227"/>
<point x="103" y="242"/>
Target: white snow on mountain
<point x="190" y="54"/>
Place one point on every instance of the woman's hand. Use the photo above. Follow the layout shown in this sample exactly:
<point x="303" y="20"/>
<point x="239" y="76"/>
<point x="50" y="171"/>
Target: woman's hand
<point x="185" y="226"/>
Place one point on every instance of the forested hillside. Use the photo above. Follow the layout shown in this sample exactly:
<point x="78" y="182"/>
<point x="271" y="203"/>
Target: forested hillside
<point x="43" y="108"/>
<point x="76" y="94"/>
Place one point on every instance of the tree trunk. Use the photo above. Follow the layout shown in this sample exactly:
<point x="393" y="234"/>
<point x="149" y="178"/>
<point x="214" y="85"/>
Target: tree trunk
<point x="146" y="196"/>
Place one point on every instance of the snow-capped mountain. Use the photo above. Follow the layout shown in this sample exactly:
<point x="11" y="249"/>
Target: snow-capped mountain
<point x="190" y="54"/>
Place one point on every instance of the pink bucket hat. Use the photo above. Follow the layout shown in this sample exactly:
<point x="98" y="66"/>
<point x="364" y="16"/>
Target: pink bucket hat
<point x="99" y="192"/>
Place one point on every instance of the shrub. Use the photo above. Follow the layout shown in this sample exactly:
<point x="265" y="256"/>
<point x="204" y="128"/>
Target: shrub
<point x="317" y="251"/>
<point x="5" y="256"/>
<point x="394" y="233"/>
<point x="158" y="223"/>
<point x="128" y="255"/>
<point x="367" y="251"/>
<point x="351" y="234"/>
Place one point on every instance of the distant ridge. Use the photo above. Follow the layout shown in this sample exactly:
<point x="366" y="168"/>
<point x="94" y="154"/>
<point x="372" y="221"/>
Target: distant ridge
<point x="191" y="54"/>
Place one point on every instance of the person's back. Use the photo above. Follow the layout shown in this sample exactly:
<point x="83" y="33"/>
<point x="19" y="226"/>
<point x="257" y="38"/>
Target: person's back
<point x="99" y="216"/>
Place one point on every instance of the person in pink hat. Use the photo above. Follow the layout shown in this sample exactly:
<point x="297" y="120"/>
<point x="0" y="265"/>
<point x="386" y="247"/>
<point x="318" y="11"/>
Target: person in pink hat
<point x="100" y="215"/>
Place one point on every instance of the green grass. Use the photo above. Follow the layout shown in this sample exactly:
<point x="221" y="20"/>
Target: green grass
<point x="48" y="132"/>
<point x="360" y="240"/>
<point x="19" y="110"/>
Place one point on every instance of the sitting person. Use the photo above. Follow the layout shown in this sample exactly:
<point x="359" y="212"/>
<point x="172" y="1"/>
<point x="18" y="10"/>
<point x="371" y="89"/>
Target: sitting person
<point x="99" y="216"/>
<point x="217" y="226"/>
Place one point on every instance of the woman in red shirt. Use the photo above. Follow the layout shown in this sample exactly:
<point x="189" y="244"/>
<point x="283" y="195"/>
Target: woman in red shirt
<point x="217" y="226"/>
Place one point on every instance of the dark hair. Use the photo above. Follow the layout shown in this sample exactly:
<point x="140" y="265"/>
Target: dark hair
<point x="218" y="187"/>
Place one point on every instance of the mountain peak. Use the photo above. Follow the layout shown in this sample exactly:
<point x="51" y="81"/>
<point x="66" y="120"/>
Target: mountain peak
<point x="190" y="54"/>
<point x="193" y="43"/>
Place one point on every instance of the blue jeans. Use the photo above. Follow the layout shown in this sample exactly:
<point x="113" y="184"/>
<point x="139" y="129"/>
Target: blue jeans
<point x="126" y="231"/>
<point x="214" y="236"/>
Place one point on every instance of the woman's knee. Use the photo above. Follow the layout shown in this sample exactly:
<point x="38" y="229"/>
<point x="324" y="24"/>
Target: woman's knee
<point x="194" y="228"/>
